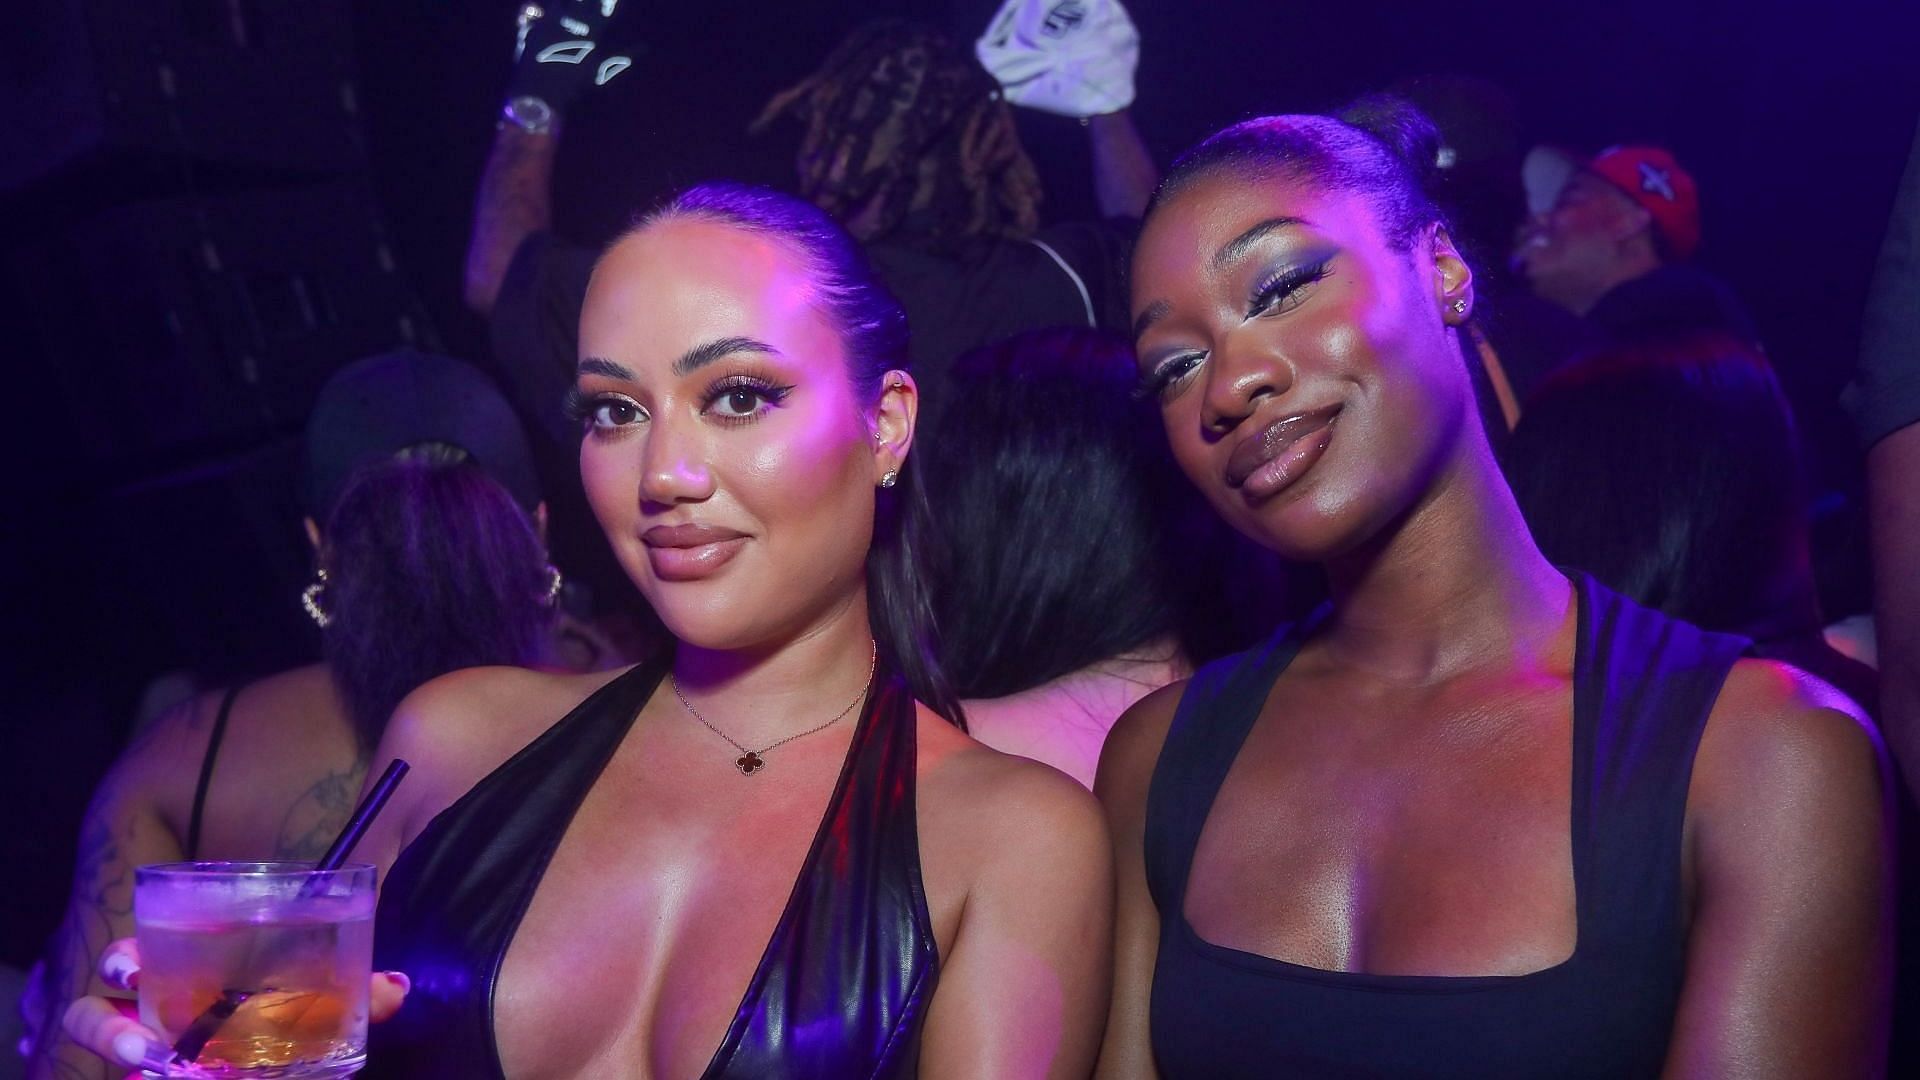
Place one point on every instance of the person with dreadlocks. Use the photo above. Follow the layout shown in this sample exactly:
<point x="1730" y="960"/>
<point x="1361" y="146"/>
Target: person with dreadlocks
<point x="909" y="142"/>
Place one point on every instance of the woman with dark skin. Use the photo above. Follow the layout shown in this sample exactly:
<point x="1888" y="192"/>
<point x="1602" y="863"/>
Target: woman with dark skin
<point x="736" y="432"/>
<point x="1397" y="821"/>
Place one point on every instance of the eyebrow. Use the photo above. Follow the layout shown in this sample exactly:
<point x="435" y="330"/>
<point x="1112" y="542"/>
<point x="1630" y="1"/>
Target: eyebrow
<point x="1231" y="252"/>
<point x="1236" y="249"/>
<point x="701" y="355"/>
<point x="1154" y="313"/>
<point x="692" y="360"/>
<point x="594" y="365"/>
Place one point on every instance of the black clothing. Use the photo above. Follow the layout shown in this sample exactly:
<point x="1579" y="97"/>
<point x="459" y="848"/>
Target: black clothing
<point x="1675" y="300"/>
<point x="1643" y="686"/>
<point x="219" y="734"/>
<point x="1067" y="275"/>
<point x="1885" y="394"/>
<point x="844" y="983"/>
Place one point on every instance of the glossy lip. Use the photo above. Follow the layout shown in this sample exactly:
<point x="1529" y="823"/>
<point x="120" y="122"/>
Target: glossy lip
<point x="690" y="552"/>
<point x="1277" y="455"/>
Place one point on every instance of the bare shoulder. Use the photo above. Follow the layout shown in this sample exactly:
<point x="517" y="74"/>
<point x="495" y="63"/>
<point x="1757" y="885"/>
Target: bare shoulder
<point x="1133" y="746"/>
<point x="1780" y="743"/>
<point x="998" y="805"/>
<point x="160" y="763"/>
<point x="456" y="729"/>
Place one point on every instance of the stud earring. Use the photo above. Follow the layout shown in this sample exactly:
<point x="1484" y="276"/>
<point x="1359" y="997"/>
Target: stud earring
<point x="889" y="478"/>
<point x="554" y="582"/>
<point x="310" y="599"/>
<point x="1460" y="306"/>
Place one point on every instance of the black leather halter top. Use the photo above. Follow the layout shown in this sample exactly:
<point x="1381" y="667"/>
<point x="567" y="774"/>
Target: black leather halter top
<point x="840" y="991"/>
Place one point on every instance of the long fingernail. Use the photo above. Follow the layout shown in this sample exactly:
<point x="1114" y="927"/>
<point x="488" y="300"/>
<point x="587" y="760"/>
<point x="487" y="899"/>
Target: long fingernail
<point x="400" y="977"/>
<point x="119" y="970"/>
<point x="136" y="1052"/>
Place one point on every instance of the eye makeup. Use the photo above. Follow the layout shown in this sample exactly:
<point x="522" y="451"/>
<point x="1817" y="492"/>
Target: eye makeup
<point x="742" y="398"/>
<point x="1279" y="289"/>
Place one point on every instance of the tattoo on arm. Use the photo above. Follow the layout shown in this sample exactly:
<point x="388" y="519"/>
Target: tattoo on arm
<point x="318" y="815"/>
<point x="99" y="910"/>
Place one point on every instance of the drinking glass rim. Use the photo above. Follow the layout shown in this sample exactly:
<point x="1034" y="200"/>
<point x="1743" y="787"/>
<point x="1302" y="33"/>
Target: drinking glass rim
<point x="256" y="869"/>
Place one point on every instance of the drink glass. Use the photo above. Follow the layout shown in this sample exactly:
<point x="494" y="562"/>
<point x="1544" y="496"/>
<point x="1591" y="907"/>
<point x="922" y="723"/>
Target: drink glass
<point x="272" y="960"/>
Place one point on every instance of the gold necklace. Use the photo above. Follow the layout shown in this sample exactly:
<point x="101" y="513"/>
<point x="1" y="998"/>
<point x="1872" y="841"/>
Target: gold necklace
<point x="752" y="761"/>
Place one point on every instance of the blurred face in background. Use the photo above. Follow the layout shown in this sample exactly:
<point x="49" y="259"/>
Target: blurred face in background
<point x="724" y="451"/>
<point x="1577" y="250"/>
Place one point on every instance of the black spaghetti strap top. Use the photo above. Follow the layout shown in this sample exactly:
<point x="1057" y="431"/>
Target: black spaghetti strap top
<point x="219" y="734"/>
<point x="840" y="991"/>
<point x="1643" y="686"/>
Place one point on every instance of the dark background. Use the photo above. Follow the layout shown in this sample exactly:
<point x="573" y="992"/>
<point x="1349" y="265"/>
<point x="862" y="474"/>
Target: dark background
<point x="150" y="507"/>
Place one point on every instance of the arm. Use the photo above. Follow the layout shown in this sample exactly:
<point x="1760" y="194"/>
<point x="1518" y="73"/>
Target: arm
<point x="559" y="53"/>
<point x="1126" y="768"/>
<point x="123" y="828"/>
<point x="515" y="201"/>
<point x="1124" y="174"/>
<point x="1893" y="514"/>
<point x="1789" y="947"/>
<point x="1885" y="402"/>
<point x="1023" y="986"/>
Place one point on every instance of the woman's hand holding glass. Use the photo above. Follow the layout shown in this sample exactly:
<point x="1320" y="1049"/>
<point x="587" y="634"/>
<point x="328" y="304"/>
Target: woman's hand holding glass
<point x="110" y="1027"/>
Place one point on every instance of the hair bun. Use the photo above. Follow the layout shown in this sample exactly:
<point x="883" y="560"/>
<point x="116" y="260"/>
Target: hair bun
<point x="1403" y="129"/>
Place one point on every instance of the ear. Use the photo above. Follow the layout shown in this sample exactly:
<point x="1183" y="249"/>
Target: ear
<point x="893" y="422"/>
<point x="1452" y="279"/>
<point x="313" y="533"/>
<point x="540" y="521"/>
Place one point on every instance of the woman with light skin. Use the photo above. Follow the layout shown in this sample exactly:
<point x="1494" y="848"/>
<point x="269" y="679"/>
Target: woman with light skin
<point x="1473" y="818"/>
<point x="760" y="855"/>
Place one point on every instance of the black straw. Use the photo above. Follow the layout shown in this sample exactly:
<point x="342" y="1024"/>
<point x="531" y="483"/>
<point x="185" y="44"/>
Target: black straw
<point x="363" y="816"/>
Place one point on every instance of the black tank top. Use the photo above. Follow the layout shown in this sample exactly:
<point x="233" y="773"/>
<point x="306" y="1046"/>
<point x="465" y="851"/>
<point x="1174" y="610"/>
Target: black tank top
<point x="840" y="991"/>
<point x="1643" y="684"/>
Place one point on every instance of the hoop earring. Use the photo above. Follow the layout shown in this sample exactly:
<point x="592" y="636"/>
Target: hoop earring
<point x="310" y="599"/>
<point x="554" y="583"/>
<point x="889" y="478"/>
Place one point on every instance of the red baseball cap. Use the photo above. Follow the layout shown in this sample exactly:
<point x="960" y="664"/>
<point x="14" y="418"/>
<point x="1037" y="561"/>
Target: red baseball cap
<point x="1651" y="177"/>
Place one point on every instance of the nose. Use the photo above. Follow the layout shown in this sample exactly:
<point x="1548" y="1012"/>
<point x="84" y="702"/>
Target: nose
<point x="1238" y="378"/>
<point x="673" y="464"/>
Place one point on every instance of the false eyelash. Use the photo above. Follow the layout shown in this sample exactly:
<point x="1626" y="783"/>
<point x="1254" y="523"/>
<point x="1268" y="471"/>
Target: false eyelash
<point x="1155" y="382"/>
<point x="1284" y="283"/>
<point x="578" y="406"/>
<point x="771" y="393"/>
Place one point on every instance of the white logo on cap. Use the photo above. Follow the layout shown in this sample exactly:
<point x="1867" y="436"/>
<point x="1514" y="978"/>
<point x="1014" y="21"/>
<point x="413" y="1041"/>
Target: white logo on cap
<point x="1657" y="180"/>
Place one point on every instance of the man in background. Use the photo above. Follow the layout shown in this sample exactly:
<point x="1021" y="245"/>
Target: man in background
<point x="1613" y="243"/>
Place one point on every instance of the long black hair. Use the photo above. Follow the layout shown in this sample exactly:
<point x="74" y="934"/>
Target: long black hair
<point x="431" y="567"/>
<point x="1051" y="511"/>
<point x="1670" y="470"/>
<point x="873" y="329"/>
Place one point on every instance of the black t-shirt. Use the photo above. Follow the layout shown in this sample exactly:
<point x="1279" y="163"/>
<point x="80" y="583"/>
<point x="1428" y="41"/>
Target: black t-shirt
<point x="1674" y="300"/>
<point x="1071" y="274"/>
